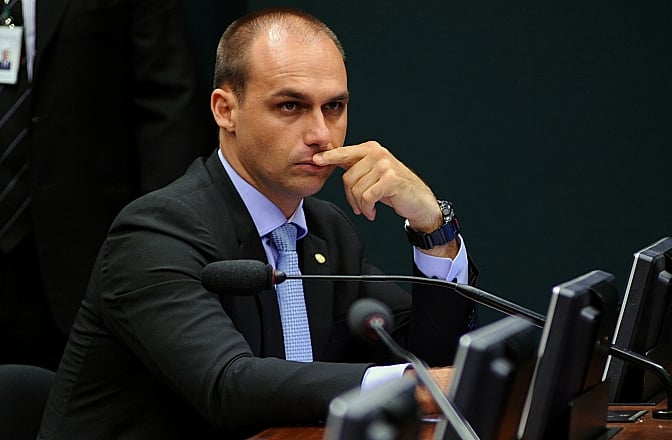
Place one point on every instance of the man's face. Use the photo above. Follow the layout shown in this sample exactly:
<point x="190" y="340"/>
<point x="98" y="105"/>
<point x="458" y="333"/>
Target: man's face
<point x="295" y="105"/>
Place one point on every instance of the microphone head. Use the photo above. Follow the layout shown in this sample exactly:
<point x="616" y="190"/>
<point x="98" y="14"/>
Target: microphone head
<point x="237" y="277"/>
<point x="367" y="313"/>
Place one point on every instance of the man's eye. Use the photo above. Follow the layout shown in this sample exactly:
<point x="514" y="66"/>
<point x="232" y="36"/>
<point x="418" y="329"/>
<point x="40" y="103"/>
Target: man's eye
<point x="334" y="106"/>
<point x="289" y="106"/>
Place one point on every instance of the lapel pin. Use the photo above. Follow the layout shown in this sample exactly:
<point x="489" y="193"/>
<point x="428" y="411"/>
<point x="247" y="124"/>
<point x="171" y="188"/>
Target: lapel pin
<point x="320" y="258"/>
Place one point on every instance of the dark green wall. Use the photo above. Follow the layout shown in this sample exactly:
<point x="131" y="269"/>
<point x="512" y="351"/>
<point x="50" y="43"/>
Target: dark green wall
<point x="206" y="20"/>
<point x="547" y="123"/>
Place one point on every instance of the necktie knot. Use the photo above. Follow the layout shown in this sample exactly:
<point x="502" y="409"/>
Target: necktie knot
<point x="284" y="237"/>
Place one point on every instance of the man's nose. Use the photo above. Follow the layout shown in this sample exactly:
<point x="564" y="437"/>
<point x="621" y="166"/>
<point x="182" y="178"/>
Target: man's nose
<point x="317" y="133"/>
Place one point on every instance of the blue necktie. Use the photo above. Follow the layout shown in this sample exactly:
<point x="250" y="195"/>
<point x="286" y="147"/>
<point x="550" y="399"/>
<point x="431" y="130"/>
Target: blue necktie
<point x="290" y="297"/>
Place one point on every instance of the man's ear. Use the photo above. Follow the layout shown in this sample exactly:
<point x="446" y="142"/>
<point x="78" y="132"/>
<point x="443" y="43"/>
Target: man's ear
<point x="224" y="106"/>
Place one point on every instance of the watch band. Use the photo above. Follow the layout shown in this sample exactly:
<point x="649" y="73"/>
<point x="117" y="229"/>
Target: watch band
<point x="444" y="234"/>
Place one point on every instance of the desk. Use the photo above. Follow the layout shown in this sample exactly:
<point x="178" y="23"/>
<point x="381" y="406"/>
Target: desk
<point x="646" y="428"/>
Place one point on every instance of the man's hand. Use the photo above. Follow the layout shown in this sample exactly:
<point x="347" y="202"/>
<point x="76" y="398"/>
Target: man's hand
<point x="374" y="175"/>
<point x="443" y="378"/>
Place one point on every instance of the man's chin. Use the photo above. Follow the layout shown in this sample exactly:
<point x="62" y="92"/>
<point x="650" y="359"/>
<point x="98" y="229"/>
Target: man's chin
<point x="316" y="184"/>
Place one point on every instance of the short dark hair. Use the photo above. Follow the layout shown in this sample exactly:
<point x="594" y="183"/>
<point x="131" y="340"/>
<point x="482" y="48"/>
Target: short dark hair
<point x="232" y="61"/>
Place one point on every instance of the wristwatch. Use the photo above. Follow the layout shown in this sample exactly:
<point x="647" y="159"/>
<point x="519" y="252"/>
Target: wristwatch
<point x="444" y="234"/>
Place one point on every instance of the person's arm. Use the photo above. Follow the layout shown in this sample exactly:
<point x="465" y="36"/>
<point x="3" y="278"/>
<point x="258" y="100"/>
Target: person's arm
<point x="169" y="132"/>
<point x="153" y="301"/>
<point x="373" y="175"/>
<point x="454" y="269"/>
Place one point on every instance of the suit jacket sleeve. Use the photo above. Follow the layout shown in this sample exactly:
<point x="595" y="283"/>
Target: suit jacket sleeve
<point x="170" y="129"/>
<point x="428" y="321"/>
<point x="152" y="300"/>
<point x="438" y="318"/>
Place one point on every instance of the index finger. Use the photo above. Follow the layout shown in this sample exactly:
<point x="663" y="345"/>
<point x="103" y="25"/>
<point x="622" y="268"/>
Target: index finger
<point x="344" y="157"/>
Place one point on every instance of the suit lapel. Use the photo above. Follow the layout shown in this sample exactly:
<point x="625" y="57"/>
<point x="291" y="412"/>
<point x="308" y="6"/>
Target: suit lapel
<point x="267" y="340"/>
<point x="240" y="219"/>
<point x="319" y="295"/>
<point x="259" y="318"/>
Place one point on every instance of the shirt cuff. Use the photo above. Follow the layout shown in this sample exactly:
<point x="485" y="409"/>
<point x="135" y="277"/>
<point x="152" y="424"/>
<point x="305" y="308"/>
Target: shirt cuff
<point x="448" y="269"/>
<point x="376" y="376"/>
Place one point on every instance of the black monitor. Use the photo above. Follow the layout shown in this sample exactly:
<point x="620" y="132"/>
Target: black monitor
<point x="388" y="411"/>
<point x="644" y="325"/>
<point x="493" y="370"/>
<point x="568" y="398"/>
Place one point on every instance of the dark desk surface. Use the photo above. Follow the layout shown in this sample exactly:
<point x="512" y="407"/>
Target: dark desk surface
<point x="646" y="428"/>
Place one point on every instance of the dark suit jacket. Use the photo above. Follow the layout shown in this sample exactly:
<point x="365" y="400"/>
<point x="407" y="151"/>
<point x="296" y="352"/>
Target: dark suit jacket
<point x="152" y="354"/>
<point x="113" y="99"/>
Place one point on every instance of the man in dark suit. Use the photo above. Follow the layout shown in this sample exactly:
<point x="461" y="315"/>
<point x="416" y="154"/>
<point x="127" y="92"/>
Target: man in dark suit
<point x="153" y="354"/>
<point x="112" y="117"/>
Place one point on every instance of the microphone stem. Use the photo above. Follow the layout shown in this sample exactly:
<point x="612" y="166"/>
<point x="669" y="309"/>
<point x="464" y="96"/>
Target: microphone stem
<point x="461" y="426"/>
<point x="467" y="291"/>
<point x="656" y="369"/>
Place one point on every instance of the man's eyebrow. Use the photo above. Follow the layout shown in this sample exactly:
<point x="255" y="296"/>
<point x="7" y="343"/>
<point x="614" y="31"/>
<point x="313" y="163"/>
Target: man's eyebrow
<point x="342" y="97"/>
<point x="290" y="93"/>
<point x="299" y="96"/>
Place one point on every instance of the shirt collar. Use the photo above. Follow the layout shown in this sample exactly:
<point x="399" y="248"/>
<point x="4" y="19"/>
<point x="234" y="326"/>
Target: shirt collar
<point x="265" y="214"/>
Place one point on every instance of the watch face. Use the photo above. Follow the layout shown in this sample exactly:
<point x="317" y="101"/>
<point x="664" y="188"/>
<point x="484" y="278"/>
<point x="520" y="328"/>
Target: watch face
<point x="447" y="211"/>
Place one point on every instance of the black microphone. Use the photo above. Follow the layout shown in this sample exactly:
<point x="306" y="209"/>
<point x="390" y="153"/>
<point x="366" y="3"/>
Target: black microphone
<point x="249" y="277"/>
<point x="238" y="277"/>
<point x="370" y="319"/>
